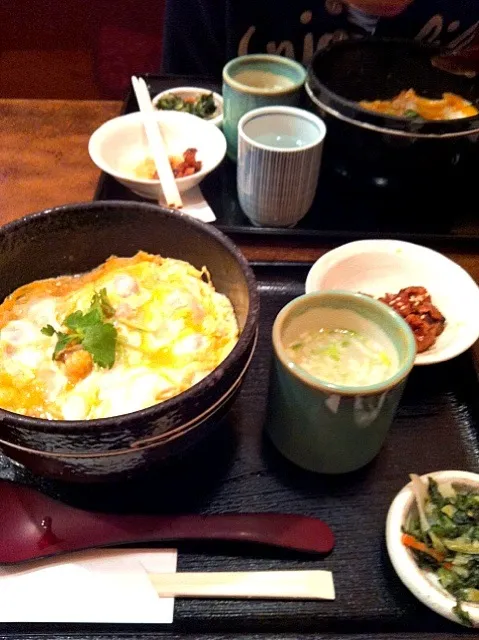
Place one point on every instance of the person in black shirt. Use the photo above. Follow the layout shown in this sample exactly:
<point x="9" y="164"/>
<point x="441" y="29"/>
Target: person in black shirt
<point x="200" y="36"/>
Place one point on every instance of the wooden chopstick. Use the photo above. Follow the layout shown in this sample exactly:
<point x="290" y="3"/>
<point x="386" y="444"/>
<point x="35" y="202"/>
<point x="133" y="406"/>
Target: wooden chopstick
<point x="157" y="144"/>
<point x="299" y="585"/>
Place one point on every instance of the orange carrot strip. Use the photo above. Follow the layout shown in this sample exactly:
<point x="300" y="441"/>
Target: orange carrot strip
<point x="413" y="543"/>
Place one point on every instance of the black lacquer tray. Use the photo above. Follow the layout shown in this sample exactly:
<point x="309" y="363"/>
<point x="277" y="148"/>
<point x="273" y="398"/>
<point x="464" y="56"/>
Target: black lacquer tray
<point x="237" y="469"/>
<point x="340" y="211"/>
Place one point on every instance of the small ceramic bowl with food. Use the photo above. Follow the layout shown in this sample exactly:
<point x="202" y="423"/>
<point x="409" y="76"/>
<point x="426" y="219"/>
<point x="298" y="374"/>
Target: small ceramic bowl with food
<point x="120" y="148"/>
<point x="432" y="538"/>
<point x="203" y="103"/>
<point x="437" y="298"/>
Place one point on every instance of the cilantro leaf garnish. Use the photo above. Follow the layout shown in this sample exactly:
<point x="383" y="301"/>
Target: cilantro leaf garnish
<point x="89" y="330"/>
<point x="64" y="341"/>
<point x="48" y="330"/>
<point x="100" y="341"/>
<point x="100" y="301"/>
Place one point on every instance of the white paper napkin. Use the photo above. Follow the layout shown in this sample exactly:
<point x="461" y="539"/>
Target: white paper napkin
<point x="106" y="586"/>
<point x="196" y="206"/>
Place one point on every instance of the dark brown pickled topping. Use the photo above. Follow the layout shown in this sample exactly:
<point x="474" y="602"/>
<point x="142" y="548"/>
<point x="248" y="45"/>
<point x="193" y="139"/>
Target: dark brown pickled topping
<point x="415" y="306"/>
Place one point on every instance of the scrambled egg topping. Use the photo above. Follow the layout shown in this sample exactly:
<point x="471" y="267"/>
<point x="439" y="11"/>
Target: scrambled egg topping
<point x="409" y="104"/>
<point x="164" y="329"/>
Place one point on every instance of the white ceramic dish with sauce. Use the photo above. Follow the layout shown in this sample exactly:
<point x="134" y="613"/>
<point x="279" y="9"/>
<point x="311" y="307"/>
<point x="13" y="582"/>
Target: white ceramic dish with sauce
<point x="424" y="584"/>
<point x="194" y="92"/>
<point x="377" y="267"/>
<point x="120" y="145"/>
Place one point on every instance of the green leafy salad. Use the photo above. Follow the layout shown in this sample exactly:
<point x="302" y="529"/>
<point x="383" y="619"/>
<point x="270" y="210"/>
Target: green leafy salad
<point x="202" y="106"/>
<point x="444" y="537"/>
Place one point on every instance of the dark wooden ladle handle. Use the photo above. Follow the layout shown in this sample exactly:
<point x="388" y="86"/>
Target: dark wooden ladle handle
<point x="35" y="526"/>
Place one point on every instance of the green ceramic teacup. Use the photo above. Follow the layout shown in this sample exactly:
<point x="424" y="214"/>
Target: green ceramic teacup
<point x="326" y="427"/>
<point x="257" y="80"/>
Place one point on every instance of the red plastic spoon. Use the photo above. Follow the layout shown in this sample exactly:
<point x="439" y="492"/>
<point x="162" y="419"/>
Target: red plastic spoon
<point x="35" y="526"/>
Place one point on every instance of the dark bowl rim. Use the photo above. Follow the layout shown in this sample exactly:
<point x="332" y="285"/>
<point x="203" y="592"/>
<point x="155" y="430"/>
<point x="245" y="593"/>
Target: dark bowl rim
<point x="350" y="110"/>
<point x="247" y="334"/>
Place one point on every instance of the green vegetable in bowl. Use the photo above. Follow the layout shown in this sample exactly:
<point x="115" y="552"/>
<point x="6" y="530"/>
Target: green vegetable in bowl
<point x="202" y="106"/>
<point x="410" y="113"/>
<point x="444" y="538"/>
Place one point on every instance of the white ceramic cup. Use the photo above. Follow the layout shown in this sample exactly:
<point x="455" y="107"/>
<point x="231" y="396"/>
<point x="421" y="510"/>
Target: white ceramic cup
<point x="279" y="158"/>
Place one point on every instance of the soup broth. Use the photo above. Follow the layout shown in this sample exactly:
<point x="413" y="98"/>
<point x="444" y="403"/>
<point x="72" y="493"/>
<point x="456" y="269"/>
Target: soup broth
<point x="263" y="80"/>
<point x="343" y="357"/>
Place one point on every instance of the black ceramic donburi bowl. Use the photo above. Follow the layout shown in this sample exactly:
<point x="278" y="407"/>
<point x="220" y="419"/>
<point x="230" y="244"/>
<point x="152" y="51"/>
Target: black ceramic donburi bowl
<point x="386" y="151"/>
<point x="76" y="238"/>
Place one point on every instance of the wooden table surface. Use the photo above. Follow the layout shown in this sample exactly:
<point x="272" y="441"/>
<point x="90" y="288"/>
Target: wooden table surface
<point x="44" y="162"/>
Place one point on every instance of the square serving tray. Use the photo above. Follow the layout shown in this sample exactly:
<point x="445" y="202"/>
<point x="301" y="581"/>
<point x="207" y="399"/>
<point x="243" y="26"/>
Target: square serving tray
<point x="238" y="469"/>
<point x="339" y="211"/>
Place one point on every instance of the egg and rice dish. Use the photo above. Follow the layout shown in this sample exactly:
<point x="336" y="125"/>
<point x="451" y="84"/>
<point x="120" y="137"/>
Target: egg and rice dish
<point x="408" y="104"/>
<point x="129" y="334"/>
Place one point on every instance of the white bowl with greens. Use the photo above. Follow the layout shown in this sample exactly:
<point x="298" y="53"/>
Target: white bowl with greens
<point x="206" y="104"/>
<point x="432" y="537"/>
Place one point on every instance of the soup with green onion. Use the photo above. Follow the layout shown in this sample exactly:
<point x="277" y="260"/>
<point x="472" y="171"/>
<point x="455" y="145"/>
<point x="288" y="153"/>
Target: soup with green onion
<point x="343" y="357"/>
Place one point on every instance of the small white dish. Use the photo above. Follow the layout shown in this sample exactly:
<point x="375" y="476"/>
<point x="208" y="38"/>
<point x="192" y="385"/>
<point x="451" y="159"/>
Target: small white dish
<point x="193" y="92"/>
<point x="377" y="267"/>
<point x="423" y="584"/>
<point x="119" y="145"/>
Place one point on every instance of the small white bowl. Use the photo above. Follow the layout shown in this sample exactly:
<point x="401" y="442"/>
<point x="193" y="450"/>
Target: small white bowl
<point x="377" y="267"/>
<point x="423" y="584"/>
<point x="193" y="92"/>
<point x="120" y="145"/>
